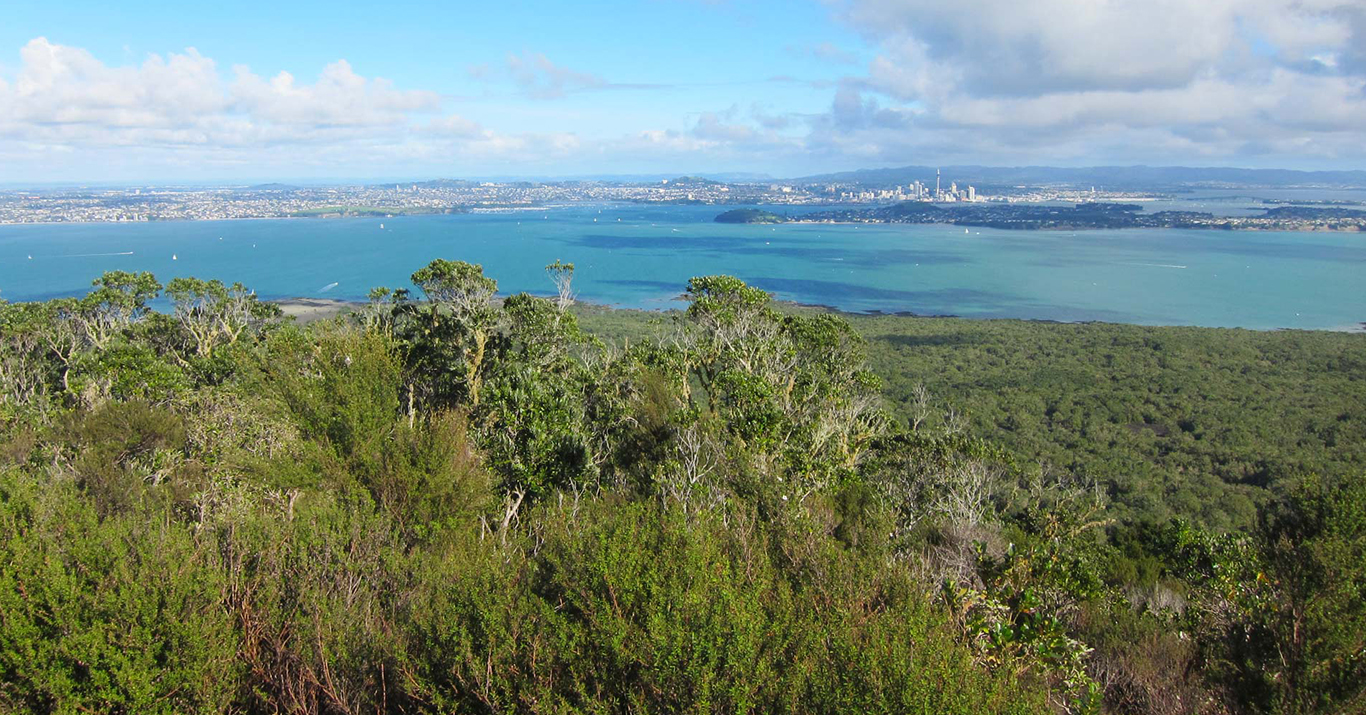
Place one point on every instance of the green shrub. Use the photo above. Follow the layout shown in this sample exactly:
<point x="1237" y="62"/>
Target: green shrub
<point x="120" y="615"/>
<point x="629" y="608"/>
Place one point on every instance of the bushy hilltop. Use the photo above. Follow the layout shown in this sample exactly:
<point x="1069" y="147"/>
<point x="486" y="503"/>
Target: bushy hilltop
<point x="451" y="502"/>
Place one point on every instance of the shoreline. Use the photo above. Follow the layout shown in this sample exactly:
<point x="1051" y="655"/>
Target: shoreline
<point x="797" y="222"/>
<point x="214" y="220"/>
<point x="488" y="210"/>
<point x="1227" y="229"/>
<point x="309" y="310"/>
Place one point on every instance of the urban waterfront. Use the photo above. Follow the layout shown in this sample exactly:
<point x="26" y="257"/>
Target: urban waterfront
<point x="641" y="257"/>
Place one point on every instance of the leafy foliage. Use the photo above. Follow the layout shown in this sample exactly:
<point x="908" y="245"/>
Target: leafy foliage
<point x="455" y="502"/>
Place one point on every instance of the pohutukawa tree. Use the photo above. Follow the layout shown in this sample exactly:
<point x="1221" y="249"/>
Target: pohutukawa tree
<point x="459" y="317"/>
<point x="214" y="314"/>
<point x="458" y="285"/>
<point x="21" y="329"/>
<point x="120" y="298"/>
<point x="790" y="391"/>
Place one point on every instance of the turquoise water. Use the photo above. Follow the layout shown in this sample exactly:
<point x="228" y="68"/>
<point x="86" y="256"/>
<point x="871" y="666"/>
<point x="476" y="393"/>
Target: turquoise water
<point x="642" y="256"/>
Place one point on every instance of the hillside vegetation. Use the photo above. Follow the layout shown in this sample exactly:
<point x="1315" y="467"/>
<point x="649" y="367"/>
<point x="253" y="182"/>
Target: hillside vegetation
<point x="447" y="502"/>
<point x="1203" y="424"/>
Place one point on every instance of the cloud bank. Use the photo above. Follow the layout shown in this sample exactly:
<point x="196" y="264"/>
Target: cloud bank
<point x="1157" y="80"/>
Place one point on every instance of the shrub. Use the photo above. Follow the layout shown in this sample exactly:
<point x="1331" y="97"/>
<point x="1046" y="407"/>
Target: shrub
<point x="119" y="615"/>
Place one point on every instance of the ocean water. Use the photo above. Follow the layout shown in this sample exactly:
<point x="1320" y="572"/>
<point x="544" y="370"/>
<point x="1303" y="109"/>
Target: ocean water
<point x="642" y="256"/>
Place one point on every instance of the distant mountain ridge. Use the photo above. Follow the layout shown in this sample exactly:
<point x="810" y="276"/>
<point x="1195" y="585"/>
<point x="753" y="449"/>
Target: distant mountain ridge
<point x="1110" y="177"/>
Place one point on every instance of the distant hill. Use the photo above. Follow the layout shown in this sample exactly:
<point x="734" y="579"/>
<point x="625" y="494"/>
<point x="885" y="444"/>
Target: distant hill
<point x="1111" y="177"/>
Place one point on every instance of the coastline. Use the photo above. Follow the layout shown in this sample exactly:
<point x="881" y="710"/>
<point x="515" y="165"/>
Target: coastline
<point x="1357" y="328"/>
<point x="310" y="310"/>
<point x="175" y="220"/>
<point x="797" y="220"/>
<point x="215" y="220"/>
<point x="1031" y="229"/>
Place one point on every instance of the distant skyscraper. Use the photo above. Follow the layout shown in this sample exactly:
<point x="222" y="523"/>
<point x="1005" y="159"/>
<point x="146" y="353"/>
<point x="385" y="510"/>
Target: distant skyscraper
<point x="972" y="193"/>
<point x="936" y="183"/>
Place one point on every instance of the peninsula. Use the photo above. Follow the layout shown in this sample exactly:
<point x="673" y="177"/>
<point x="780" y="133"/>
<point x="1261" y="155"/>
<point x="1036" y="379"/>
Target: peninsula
<point x="1091" y="215"/>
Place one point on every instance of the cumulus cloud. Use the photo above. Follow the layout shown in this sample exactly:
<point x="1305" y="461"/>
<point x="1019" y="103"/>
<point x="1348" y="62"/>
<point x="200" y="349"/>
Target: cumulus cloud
<point x="1128" y="79"/>
<point x="64" y="97"/>
<point x="63" y="108"/>
<point x="340" y="98"/>
<point x="63" y="86"/>
<point x="1048" y="81"/>
<point x="1009" y="47"/>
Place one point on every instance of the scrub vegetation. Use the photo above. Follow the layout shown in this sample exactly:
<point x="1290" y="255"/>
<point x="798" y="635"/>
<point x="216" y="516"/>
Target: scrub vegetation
<point x="450" y="502"/>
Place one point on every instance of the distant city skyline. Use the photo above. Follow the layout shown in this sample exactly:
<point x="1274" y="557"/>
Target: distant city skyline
<point x="148" y="90"/>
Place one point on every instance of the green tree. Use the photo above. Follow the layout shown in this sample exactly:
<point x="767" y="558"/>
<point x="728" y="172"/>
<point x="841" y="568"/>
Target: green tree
<point x="120" y="298"/>
<point x="1281" y="613"/>
<point x="449" y="335"/>
<point x="213" y="314"/>
<point x="792" y="392"/>
<point x="1314" y="549"/>
<point x="22" y="331"/>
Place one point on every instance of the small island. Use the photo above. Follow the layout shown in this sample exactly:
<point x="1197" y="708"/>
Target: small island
<point x="750" y="216"/>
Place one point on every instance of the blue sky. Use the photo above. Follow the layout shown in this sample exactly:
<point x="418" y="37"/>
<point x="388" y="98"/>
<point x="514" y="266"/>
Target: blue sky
<point x="137" y="90"/>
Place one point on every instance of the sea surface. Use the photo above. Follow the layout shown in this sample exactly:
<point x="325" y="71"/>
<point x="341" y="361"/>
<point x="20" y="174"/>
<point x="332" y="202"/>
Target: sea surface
<point x="642" y="256"/>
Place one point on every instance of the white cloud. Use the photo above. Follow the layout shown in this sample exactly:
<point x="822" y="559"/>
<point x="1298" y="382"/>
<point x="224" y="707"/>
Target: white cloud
<point x="64" y="112"/>
<point x="1049" y="81"/>
<point x="1088" y="80"/>
<point x="1010" y="47"/>
<point x="64" y="99"/>
<point x="340" y="98"/>
<point x="59" y="85"/>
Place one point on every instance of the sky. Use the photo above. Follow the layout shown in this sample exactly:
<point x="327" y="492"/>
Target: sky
<point x="149" y="90"/>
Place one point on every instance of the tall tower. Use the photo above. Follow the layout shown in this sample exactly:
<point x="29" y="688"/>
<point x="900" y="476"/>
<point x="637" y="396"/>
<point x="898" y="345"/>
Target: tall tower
<point x="936" y="183"/>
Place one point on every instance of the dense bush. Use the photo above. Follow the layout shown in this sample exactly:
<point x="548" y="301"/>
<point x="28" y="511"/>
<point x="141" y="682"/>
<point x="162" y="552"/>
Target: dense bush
<point x="634" y="607"/>
<point x="453" y="503"/>
<point x="121" y="614"/>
